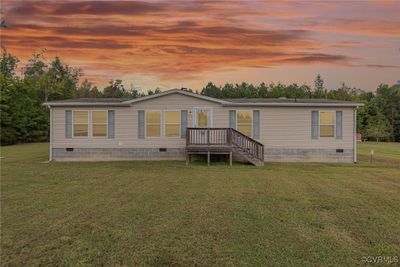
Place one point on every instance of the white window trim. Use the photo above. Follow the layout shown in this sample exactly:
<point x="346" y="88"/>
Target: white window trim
<point x="91" y="123"/>
<point x="145" y="123"/>
<point x="334" y="124"/>
<point x="194" y="118"/>
<point x="73" y="123"/>
<point x="252" y="119"/>
<point x="164" y="123"/>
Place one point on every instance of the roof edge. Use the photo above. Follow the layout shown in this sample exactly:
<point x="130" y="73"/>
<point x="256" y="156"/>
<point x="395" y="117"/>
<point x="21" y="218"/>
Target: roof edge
<point x="83" y="104"/>
<point x="350" y="104"/>
<point x="178" y="91"/>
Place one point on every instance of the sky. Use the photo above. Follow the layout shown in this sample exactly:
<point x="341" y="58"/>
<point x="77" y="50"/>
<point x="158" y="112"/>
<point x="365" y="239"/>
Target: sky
<point x="174" y="44"/>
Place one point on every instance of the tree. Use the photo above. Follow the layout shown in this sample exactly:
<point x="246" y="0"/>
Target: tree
<point x="23" y="118"/>
<point x="52" y="81"/>
<point x="8" y="64"/>
<point x="115" y="89"/>
<point x="36" y="67"/>
<point x="262" y="90"/>
<point x="87" y="89"/>
<point x="151" y="92"/>
<point x="135" y="93"/>
<point x="61" y="80"/>
<point x="212" y="90"/>
<point x="388" y="99"/>
<point x="342" y="93"/>
<point x="378" y="127"/>
<point x="295" y="91"/>
<point x="276" y="91"/>
<point x="319" y="90"/>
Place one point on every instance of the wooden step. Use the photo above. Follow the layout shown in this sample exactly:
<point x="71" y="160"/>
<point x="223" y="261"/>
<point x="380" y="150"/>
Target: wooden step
<point x="248" y="157"/>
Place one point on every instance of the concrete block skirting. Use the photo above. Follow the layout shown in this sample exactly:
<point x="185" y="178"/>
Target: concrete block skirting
<point x="308" y="155"/>
<point x="109" y="154"/>
<point x="271" y="154"/>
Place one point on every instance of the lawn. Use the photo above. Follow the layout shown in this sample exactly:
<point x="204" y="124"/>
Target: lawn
<point x="166" y="213"/>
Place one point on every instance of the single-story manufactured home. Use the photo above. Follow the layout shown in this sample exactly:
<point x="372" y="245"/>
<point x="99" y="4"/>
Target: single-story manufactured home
<point x="176" y="124"/>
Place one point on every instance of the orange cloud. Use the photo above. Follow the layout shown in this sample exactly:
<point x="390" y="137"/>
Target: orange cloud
<point x="363" y="26"/>
<point x="177" y="40"/>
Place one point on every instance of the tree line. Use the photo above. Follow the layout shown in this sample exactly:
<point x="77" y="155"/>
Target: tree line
<point x="25" y="87"/>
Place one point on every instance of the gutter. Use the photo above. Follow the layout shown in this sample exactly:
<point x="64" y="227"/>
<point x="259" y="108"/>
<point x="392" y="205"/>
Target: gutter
<point x="354" y="135"/>
<point x="51" y="135"/>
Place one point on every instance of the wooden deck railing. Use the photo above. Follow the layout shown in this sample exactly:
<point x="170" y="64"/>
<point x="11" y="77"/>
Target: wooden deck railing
<point x="247" y="144"/>
<point x="224" y="137"/>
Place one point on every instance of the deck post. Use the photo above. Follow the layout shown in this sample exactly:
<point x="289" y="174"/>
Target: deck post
<point x="208" y="136"/>
<point x="230" y="158"/>
<point x="208" y="158"/>
<point x="187" y="158"/>
<point x="187" y="136"/>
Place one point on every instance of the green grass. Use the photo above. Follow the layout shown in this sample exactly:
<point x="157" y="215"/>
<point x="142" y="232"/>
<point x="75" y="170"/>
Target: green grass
<point x="383" y="151"/>
<point x="165" y="213"/>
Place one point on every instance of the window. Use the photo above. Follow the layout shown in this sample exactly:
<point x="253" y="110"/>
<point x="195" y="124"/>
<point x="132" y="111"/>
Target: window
<point x="80" y="123"/>
<point x="172" y="123"/>
<point x="99" y="123"/>
<point x="244" y="121"/>
<point x="326" y="124"/>
<point x="153" y="123"/>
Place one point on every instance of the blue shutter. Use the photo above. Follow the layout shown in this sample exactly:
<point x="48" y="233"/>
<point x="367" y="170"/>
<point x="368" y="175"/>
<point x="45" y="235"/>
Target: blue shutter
<point x="256" y="124"/>
<point x="314" y="124"/>
<point x="339" y="117"/>
<point x="141" y="124"/>
<point x="111" y="124"/>
<point x="68" y="124"/>
<point x="184" y="119"/>
<point x="232" y="119"/>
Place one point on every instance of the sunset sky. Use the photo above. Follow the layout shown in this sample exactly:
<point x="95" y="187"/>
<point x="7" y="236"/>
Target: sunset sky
<point x="169" y="44"/>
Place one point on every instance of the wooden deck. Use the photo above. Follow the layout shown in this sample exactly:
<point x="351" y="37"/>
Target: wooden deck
<point x="223" y="141"/>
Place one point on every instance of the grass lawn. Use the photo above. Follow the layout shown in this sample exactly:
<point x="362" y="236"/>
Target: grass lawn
<point x="165" y="213"/>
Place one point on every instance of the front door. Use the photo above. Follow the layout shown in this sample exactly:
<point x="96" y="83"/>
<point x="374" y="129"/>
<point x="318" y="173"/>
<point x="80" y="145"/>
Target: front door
<point x="202" y="118"/>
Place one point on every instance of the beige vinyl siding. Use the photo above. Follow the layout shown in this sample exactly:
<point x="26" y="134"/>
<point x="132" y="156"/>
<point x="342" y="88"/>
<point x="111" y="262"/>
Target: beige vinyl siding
<point x="290" y="127"/>
<point x="280" y="127"/>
